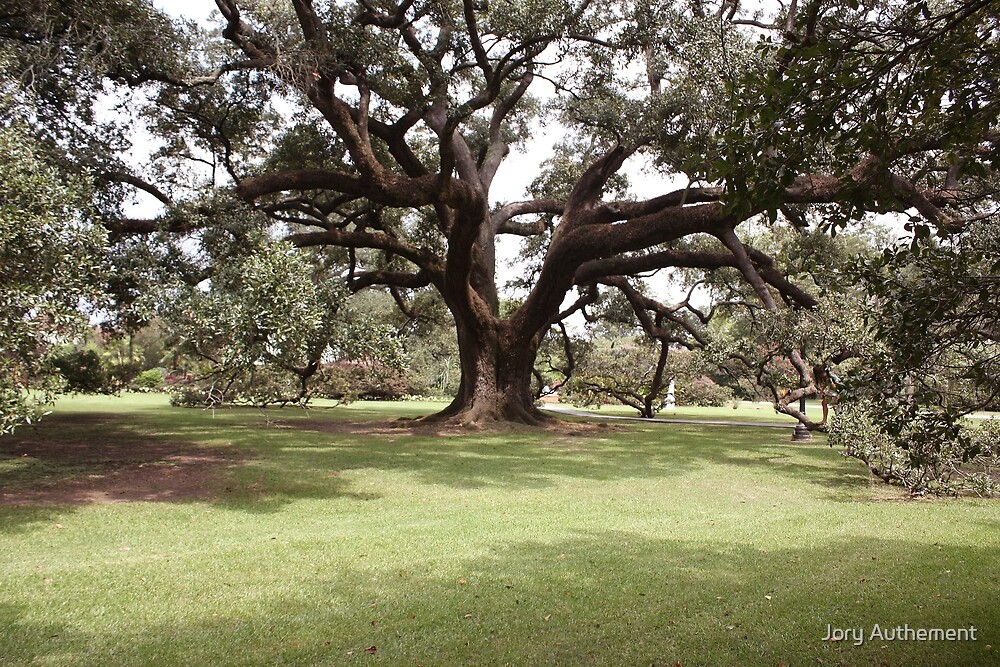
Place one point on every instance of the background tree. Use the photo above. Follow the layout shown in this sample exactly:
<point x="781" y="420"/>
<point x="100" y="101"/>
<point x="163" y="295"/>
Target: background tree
<point x="267" y="325"/>
<point x="628" y="371"/>
<point x="735" y="341"/>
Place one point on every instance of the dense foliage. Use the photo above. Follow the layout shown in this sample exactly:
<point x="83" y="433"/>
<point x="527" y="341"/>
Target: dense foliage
<point x="933" y="358"/>
<point x="51" y="260"/>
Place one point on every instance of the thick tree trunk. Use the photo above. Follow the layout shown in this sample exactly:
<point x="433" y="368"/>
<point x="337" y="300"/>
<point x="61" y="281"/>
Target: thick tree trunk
<point x="496" y="376"/>
<point x="496" y="356"/>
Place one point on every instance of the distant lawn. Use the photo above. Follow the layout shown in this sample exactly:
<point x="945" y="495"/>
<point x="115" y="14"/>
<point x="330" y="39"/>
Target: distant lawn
<point x="335" y="537"/>
<point x="746" y="411"/>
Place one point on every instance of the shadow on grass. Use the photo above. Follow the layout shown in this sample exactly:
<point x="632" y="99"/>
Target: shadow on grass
<point x="537" y="459"/>
<point x="237" y="459"/>
<point x="607" y="598"/>
<point x="80" y="458"/>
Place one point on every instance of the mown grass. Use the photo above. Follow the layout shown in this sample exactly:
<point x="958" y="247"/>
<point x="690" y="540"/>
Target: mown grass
<point x="637" y="544"/>
<point x="744" y="412"/>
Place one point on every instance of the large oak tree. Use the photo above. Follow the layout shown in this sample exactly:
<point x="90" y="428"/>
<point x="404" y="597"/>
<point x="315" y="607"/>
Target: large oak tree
<point x="380" y="128"/>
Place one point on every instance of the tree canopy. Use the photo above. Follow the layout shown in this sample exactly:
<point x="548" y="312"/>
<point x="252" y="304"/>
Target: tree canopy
<point x="373" y="133"/>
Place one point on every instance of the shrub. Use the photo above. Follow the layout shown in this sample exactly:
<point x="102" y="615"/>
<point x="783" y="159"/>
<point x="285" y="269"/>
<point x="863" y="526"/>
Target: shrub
<point x="83" y="372"/>
<point x="120" y="375"/>
<point x="703" y="391"/>
<point x="348" y="381"/>
<point x="151" y="380"/>
<point x="189" y="396"/>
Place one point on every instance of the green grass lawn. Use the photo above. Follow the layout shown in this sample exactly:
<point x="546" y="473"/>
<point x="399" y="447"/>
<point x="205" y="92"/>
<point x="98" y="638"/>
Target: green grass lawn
<point x="745" y="412"/>
<point x="334" y="538"/>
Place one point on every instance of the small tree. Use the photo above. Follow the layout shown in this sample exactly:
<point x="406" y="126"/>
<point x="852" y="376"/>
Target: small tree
<point x="266" y="322"/>
<point x="629" y="371"/>
<point x="82" y="371"/>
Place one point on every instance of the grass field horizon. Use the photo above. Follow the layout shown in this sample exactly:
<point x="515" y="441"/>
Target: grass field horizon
<point x="344" y="536"/>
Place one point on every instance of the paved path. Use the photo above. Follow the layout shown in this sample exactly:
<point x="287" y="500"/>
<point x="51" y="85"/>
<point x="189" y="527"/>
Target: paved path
<point x="711" y="422"/>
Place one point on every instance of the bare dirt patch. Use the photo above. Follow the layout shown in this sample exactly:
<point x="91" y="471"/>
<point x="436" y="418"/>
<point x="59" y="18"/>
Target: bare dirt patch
<point x="78" y="459"/>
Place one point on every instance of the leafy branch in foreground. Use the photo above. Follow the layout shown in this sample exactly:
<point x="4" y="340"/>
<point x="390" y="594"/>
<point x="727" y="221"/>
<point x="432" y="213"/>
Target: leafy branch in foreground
<point x="51" y="259"/>
<point x="267" y="328"/>
<point x="935" y="359"/>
